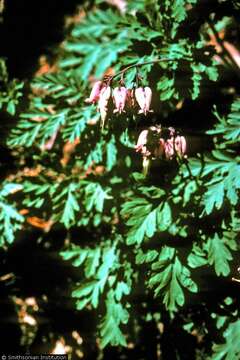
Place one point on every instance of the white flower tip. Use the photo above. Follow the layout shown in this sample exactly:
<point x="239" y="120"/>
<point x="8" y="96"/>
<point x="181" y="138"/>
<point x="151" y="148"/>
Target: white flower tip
<point x="88" y="101"/>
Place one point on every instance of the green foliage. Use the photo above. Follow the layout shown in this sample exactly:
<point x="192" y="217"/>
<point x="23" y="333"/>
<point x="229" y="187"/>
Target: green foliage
<point x="10" y="92"/>
<point x="169" y="277"/>
<point x="67" y="199"/>
<point x="104" y="152"/>
<point x="230" y="349"/>
<point x="28" y="131"/>
<point x="86" y="40"/>
<point x="10" y="219"/>
<point x="145" y="220"/>
<point x="115" y="316"/>
<point x="97" y="266"/>
<point x="111" y="153"/>
<point x="179" y="12"/>
<point x="225" y="180"/>
<point x="214" y="251"/>
<point x="228" y="127"/>
<point x="95" y="196"/>
<point x="42" y="121"/>
<point x="220" y="169"/>
<point x="219" y="255"/>
<point x="35" y="194"/>
<point x="100" y="265"/>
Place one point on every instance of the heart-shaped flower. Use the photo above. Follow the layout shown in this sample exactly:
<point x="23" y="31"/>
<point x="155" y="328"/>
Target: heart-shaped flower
<point x="120" y="97"/>
<point x="142" y="143"/>
<point x="180" y="145"/>
<point x="144" y="98"/>
<point x="104" y="97"/>
<point x="95" y="93"/>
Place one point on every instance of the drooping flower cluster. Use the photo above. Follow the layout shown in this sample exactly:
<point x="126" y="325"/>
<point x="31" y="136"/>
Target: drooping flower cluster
<point x="157" y="142"/>
<point x="153" y="143"/>
<point x="122" y="97"/>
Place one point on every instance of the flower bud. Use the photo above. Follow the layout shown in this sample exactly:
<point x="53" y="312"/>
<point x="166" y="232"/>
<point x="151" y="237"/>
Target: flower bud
<point x="95" y="93"/>
<point x="120" y="97"/>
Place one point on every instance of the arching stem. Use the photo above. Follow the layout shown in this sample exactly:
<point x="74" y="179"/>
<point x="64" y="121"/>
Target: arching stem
<point x="122" y="72"/>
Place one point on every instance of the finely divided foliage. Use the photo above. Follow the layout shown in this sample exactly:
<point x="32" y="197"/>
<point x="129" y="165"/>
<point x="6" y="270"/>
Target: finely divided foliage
<point x="10" y="219"/>
<point x="99" y="185"/>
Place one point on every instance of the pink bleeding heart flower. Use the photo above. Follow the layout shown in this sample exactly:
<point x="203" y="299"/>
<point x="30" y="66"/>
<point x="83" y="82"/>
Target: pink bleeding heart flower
<point x="120" y="97"/>
<point x="140" y="97"/>
<point x="144" y="98"/>
<point x="120" y="4"/>
<point x="95" y="93"/>
<point x="142" y="143"/>
<point x="172" y="131"/>
<point x="169" y="148"/>
<point x="176" y="145"/>
<point x="180" y="145"/>
<point x="148" y="99"/>
<point x="104" y="97"/>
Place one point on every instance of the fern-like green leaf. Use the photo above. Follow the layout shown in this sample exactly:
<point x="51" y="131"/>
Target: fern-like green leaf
<point x="169" y="277"/>
<point x="229" y="350"/>
<point x="116" y="315"/>
<point x="218" y="255"/>
<point x="143" y="220"/>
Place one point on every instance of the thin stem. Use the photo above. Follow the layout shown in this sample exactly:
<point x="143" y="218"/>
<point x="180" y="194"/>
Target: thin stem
<point x="185" y="162"/>
<point x="138" y="65"/>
